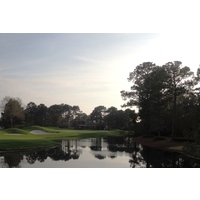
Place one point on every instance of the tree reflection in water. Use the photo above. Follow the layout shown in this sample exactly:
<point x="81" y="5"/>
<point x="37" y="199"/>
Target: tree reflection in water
<point x="96" y="144"/>
<point x="147" y="157"/>
<point x="99" y="156"/>
<point x="66" y="151"/>
<point x="137" y="159"/>
<point x="13" y="160"/>
<point x="106" y="150"/>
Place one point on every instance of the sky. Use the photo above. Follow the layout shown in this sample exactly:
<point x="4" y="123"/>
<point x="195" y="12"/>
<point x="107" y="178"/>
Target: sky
<point x="84" y="69"/>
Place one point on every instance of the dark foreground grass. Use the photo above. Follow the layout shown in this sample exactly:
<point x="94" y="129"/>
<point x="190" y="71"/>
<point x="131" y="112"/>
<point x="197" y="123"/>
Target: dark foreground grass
<point x="18" y="139"/>
<point x="11" y="145"/>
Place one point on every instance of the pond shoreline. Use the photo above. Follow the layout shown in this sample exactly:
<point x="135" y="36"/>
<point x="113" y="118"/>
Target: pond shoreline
<point x="27" y="149"/>
<point x="162" y="143"/>
<point x="166" y="144"/>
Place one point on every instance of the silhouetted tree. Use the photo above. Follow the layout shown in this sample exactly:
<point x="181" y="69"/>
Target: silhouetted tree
<point x="159" y="93"/>
<point x="178" y="84"/>
<point x="13" y="113"/>
<point x="41" y="115"/>
<point x="30" y="113"/>
<point x="97" y="117"/>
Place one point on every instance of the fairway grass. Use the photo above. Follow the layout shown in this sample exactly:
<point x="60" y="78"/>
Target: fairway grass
<point x="18" y="139"/>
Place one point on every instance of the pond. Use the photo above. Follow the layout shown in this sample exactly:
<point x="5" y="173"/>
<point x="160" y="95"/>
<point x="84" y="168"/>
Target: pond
<point x="110" y="152"/>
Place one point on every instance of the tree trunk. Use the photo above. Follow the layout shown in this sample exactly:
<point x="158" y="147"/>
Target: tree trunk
<point x="174" y="111"/>
<point x="11" y="122"/>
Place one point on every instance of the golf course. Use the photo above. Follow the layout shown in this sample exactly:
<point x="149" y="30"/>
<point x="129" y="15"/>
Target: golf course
<point x="31" y="137"/>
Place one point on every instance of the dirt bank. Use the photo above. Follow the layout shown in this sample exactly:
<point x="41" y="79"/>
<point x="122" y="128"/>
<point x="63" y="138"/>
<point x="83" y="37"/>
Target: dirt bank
<point x="163" y="143"/>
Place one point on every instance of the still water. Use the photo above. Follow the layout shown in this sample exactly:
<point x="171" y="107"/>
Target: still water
<point x="110" y="152"/>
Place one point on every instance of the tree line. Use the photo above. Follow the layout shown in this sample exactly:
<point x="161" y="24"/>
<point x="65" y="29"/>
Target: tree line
<point x="167" y="98"/>
<point x="63" y="115"/>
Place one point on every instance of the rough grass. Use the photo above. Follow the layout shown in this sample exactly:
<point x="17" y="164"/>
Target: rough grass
<point x="22" y="138"/>
<point x="15" y="131"/>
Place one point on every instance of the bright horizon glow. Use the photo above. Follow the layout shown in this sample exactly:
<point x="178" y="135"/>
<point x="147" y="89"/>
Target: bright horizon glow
<point x="87" y="70"/>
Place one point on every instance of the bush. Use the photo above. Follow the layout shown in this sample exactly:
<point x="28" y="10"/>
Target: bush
<point x="192" y="149"/>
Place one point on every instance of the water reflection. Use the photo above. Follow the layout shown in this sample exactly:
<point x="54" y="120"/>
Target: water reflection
<point x="11" y="160"/>
<point x="147" y="157"/>
<point x="97" y="152"/>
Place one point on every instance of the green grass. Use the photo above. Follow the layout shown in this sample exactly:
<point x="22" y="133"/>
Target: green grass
<point x="7" y="145"/>
<point x="13" y="138"/>
<point x="15" y="131"/>
<point x="47" y="129"/>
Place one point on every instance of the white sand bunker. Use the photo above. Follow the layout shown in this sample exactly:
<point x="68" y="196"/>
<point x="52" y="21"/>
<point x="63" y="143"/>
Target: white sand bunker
<point x="39" y="132"/>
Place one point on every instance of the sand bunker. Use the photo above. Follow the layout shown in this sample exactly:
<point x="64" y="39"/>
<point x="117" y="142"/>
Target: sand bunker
<point x="39" y="132"/>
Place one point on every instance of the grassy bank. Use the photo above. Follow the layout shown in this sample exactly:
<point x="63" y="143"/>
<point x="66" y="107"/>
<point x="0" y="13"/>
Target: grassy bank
<point x="13" y="138"/>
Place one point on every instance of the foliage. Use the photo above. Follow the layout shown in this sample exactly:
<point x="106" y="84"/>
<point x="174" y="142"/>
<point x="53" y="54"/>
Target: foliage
<point x="13" y="114"/>
<point x="191" y="150"/>
<point x="66" y="116"/>
<point x="119" y="119"/>
<point x="97" y="117"/>
<point x="166" y="97"/>
<point x="30" y="113"/>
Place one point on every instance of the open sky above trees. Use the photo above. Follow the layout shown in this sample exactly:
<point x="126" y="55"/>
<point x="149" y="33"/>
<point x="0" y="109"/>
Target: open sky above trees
<point x="84" y="69"/>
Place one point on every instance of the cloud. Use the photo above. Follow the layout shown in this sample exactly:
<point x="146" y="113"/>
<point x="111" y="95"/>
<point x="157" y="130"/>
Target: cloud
<point x="84" y="59"/>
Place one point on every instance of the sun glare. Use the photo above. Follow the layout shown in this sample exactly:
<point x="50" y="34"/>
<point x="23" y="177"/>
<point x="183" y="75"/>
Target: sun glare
<point x="178" y="46"/>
